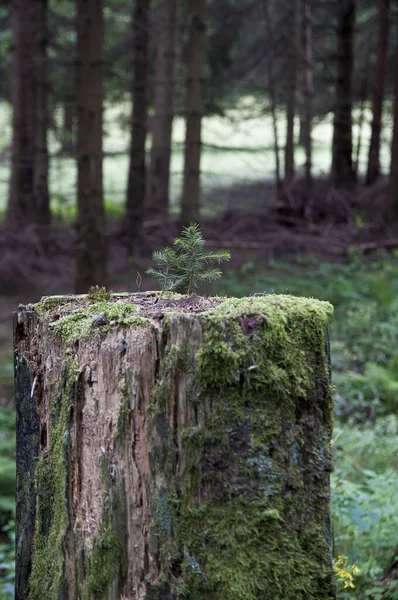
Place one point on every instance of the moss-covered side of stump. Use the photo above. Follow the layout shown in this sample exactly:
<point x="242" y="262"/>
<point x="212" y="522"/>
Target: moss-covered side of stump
<point x="204" y="442"/>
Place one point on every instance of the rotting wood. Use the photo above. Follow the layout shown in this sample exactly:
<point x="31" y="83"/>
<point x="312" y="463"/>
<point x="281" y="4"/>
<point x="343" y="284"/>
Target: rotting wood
<point x="177" y="454"/>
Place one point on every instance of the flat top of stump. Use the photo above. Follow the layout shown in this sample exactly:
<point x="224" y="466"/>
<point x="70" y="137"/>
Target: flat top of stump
<point x="79" y="316"/>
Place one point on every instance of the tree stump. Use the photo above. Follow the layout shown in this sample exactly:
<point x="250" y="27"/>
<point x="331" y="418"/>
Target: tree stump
<point x="173" y="448"/>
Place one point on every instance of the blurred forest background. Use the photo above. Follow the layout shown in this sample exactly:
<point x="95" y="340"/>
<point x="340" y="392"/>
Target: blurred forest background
<point x="273" y="124"/>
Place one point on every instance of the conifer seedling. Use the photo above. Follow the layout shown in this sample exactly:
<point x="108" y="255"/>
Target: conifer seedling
<point x="186" y="266"/>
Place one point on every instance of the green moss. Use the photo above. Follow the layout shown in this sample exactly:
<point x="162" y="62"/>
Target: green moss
<point x="246" y="516"/>
<point x="246" y="552"/>
<point x="266" y="343"/>
<point x="51" y="303"/>
<point x="99" y="294"/>
<point x="50" y="485"/>
<point x="99" y="317"/>
<point x="105" y="561"/>
<point x="300" y="308"/>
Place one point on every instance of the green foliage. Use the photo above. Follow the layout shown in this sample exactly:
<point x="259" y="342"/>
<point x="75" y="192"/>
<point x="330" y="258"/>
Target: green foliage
<point x="7" y="563"/>
<point x="364" y="493"/>
<point x="187" y="266"/>
<point x="7" y="465"/>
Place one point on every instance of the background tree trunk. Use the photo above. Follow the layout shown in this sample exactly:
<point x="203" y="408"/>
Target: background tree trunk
<point x="91" y="244"/>
<point x="393" y="184"/>
<point x="29" y="198"/>
<point x="162" y="122"/>
<point x="361" y="119"/>
<point x="308" y="93"/>
<point x="68" y="130"/>
<point x="342" y="168"/>
<point x="378" y="92"/>
<point x="194" y="110"/>
<point x="139" y="125"/>
<point x="291" y="89"/>
<point x="174" y="455"/>
<point x="272" y="93"/>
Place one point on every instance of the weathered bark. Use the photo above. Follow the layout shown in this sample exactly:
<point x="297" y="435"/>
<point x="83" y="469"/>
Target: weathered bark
<point x="306" y="121"/>
<point x="166" y="454"/>
<point x="291" y="89"/>
<point x="393" y="183"/>
<point x="342" y="168"/>
<point x="162" y="121"/>
<point x="139" y="126"/>
<point x="272" y="93"/>
<point x="196" y="51"/>
<point x="378" y="92"/>
<point x="29" y="199"/>
<point x="91" y="244"/>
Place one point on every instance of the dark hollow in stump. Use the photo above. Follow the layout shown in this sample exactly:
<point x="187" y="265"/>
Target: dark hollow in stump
<point x="177" y="449"/>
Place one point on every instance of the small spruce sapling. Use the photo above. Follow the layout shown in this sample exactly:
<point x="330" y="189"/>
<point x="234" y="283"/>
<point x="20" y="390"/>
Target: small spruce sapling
<point x="187" y="265"/>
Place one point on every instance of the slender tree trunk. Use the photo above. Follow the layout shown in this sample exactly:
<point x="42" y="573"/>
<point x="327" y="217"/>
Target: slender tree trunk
<point x="196" y="52"/>
<point x="308" y="92"/>
<point x="291" y="90"/>
<point x="139" y="125"/>
<point x="300" y="140"/>
<point x="342" y="167"/>
<point x="68" y="134"/>
<point x="91" y="244"/>
<point x="162" y="122"/>
<point x="29" y="198"/>
<point x="378" y="92"/>
<point x="40" y="182"/>
<point x="393" y="185"/>
<point x="272" y="93"/>
<point x="361" y="120"/>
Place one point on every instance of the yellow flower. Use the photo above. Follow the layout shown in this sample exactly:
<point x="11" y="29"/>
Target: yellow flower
<point x="344" y="572"/>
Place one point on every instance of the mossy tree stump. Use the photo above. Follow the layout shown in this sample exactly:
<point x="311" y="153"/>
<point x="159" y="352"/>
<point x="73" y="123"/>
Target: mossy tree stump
<point x="177" y="449"/>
